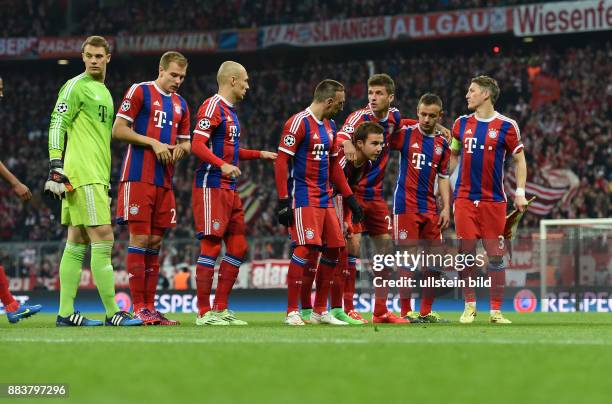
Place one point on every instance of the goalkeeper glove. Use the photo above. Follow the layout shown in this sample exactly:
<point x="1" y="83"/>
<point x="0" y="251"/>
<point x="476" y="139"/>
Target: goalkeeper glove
<point x="284" y="212"/>
<point x="57" y="183"/>
<point x="356" y="208"/>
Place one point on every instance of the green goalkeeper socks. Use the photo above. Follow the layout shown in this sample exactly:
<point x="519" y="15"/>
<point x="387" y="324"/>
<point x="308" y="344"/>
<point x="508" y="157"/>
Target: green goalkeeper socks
<point x="70" y="276"/>
<point x="102" y="270"/>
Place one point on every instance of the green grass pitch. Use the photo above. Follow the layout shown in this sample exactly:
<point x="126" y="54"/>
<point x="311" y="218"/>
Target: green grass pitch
<point x="541" y="358"/>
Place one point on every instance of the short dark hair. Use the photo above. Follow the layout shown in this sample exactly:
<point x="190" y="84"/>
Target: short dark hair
<point x="97" y="41"/>
<point x="382" y="79"/>
<point x="431" y="99"/>
<point x="327" y="89"/>
<point x="173" y="56"/>
<point x="489" y="84"/>
<point x="366" y="128"/>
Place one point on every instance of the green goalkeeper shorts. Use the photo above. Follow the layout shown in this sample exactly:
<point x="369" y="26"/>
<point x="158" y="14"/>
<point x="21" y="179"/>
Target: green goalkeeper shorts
<point x="87" y="205"/>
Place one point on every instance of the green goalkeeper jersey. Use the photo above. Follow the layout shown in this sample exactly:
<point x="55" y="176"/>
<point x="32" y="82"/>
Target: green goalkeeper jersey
<point x="84" y="113"/>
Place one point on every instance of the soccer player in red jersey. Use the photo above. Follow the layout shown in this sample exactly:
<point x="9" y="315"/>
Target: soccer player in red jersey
<point x="154" y="120"/>
<point x="483" y="139"/>
<point x="308" y="148"/>
<point x="368" y="140"/>
<point x="14" y="310"/>
<point x="217" y="208"/>
<point x="424" y="157"/>
<point x="369" y="191"/>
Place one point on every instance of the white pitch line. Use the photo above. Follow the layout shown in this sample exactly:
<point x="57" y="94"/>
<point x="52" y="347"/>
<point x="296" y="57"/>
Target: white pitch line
<point x="292" y="341"/>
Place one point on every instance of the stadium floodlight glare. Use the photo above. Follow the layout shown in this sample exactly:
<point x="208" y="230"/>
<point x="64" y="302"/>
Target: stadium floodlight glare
<point x="528" y="39"/>
<point x="572" y="230"/>
<point x="63" y="62"/>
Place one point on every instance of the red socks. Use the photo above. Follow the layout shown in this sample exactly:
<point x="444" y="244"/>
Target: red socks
<point x="151" y="278"/>
<point x="349" y="283"/>
<point x="135" y="263"/>
<point x="228" y="272"/>
<point x="5" y="294"/>
<point x="297" y="267"/>
<point x="326" y="269"/>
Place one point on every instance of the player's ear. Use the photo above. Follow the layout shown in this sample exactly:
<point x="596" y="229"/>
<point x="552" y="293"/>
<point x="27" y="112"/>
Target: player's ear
<point x="108" y="58"/>
<point x="391" y="97"/>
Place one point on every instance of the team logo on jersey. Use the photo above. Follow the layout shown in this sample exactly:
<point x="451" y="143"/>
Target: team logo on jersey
<point x="177" y="108"/>
<point x="492" y="133"/>
<point x="204" y="124"/>
<point x="289" y="140"/>
<point x="438" y="150"/>
<point x="403" y="234"/>
<point x="62" y="107"/>
<point x="309" y="234"/>
<point x="125" y="105"/>
<point x="216" y="225"/>
<point x="134" y="209"/>
<point x="348" y="129"/>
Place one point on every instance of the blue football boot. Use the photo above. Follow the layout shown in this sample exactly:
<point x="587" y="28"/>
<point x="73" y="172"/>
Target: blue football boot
<point x="76" y="319"/>
<point x="24" y="311"/>
<point x="122" y="318"/>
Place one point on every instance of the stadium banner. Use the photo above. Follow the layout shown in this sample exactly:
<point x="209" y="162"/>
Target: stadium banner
<point x="159" y="43"/>
<point x="458" y="23"/>
<point x="275" y="300"/>
<point x="65" y="47"/>
<point x="326" y="33"/>
<point x="18" y="48"/>
<point x="563" y="17"/>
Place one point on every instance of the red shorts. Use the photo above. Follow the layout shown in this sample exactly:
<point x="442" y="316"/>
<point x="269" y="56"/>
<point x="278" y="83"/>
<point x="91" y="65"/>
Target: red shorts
<point x="377" y="218"/>
<point x="344" y="214"/>
<point x="483" y="220"/>
<point x="411" y="227"/>
<point x="145" y="207"/>
<point x="316" y="226"/>
<point x="217" y="212"/>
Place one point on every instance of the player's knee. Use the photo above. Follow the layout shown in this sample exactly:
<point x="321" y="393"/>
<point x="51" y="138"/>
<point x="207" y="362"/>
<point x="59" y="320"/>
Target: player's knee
<point x="155" y="242"/>
<point x="237" y="247"/>
<point x="139" y="240"/>
<point x="210" y="246"/>
<point x="496" y="260"/>
<point x="331" y="254"/>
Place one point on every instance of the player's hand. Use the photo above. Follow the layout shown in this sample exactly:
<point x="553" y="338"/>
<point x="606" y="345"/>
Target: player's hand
<point x="349" y="150"/>
<point x="57" y="183"/>
<point x="266" y="155"/>
<point x="284" y="212"/>
<point x="230" y="170"/>
<point x="441" y="130"/>
<point x="356" y="209"/>
<point x="520" y="203"/>
<point x="163" y="151"/>
<point x="180" y="151"/>
<point x="444" y="219"/>
<point x="22" y="191"/>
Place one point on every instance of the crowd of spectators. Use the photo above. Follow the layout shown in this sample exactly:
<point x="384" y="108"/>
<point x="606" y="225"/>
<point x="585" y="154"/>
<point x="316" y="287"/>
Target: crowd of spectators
<point x="71" y="17"/>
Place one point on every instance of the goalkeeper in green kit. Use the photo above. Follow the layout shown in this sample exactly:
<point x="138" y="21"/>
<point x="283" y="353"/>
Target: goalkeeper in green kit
<point x="79" y="174"/>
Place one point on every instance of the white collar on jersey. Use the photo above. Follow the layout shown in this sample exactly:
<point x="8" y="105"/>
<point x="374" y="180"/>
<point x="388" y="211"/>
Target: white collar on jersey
<point x="380" y="120"/>
<point x="160" y="90"/>
<point x="225" y="101"/>
<point x="495" y="115"/>
<point x="313" y="116"/>
<point x="426" y="134"/>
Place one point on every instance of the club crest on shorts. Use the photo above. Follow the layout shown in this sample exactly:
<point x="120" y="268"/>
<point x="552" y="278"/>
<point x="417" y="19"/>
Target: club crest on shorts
<point x="289" y="140"/>
<point x="216" y="225"/>
<point x="309" y="233"/>
<point x="134" y="209"/>
<point x="438" y="150"/>
<point x="125" y="105"/>
<point x="492" y="133"/>
<point x="403" y="234"/>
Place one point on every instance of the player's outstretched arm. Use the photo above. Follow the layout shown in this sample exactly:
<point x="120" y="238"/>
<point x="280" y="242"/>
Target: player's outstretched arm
<point x="520" y="167"/>
<point x="123" y="132"/>
<point x="247" y="154"/>
<point x="21" y="190"/>
<point x="202" y="152"/>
